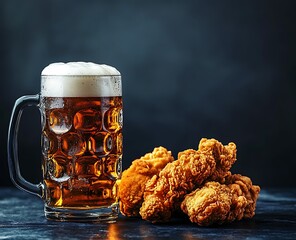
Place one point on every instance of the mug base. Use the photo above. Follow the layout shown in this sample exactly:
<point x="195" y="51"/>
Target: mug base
<point x="104" y="214"/>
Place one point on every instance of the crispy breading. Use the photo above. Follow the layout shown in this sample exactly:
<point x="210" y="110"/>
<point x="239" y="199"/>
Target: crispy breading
<point x="164" y="193"/>
<point x="133" y="180"/>
<point x="242" y="186"/>
<point x="208" y="204"/>
<point x="216" y="203"/>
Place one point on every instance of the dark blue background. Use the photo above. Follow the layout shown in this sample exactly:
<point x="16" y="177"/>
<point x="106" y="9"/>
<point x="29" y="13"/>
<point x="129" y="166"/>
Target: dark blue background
<point x="191" y="69"/>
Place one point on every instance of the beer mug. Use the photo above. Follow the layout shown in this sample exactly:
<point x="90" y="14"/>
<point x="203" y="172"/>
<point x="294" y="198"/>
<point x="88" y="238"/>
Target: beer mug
<point x="81" y="141"/>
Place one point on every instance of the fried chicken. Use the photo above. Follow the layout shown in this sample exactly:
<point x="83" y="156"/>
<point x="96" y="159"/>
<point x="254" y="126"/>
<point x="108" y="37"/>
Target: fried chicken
<point x="221" y="203"/>
<point x="242" y="186"/>
<point x="165" y="192"/>
<point x="133" y="180"/>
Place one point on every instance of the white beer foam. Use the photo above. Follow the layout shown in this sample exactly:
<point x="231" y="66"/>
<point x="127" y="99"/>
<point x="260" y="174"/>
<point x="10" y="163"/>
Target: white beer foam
<point x="80" y="79"/>
<point x="80" y="68"/>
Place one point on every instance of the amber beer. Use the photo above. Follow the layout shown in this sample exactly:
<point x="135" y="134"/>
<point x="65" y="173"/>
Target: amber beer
<point x="81" y="141"/>
<point x="81" y="106"/>
<point x="82" y="150"/>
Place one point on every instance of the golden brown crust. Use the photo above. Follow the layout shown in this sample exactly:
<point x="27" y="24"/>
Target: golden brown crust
<point x="222" y="203"/>
<point x="133" y="180"/>
<point x="241" y="186"/>
<point x="225" y="157"/>
<point x="164" y="194"/>
<point x="157" y="186"/>
<point x="208" y="204"/>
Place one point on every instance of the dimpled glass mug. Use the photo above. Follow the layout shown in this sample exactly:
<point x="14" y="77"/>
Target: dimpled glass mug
<point x="81" y="141"/>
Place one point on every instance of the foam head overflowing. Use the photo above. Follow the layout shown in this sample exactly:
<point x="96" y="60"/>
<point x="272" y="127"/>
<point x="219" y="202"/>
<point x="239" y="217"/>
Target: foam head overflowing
<point x="80" y="79"/>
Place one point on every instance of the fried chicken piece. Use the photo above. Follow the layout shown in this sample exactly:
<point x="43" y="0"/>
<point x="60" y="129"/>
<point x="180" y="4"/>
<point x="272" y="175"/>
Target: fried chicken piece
<point x="224" y="156"/>
<point x="133" y="180"/>
<point x="208" y="204"/>
<point x="164" y="193"/>
<point x="221" y="203"/>
<point x="242" y="186"/>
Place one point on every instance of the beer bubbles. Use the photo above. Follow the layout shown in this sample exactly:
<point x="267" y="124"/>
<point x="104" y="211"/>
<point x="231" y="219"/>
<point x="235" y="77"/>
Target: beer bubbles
<point x="82" y="134"/>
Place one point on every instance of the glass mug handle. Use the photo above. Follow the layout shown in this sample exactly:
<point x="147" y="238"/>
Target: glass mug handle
<point x="12" y="143"/>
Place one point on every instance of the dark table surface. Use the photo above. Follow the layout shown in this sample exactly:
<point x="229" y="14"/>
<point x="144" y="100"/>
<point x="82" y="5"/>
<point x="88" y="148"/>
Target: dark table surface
<point x="21" y="217"/>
